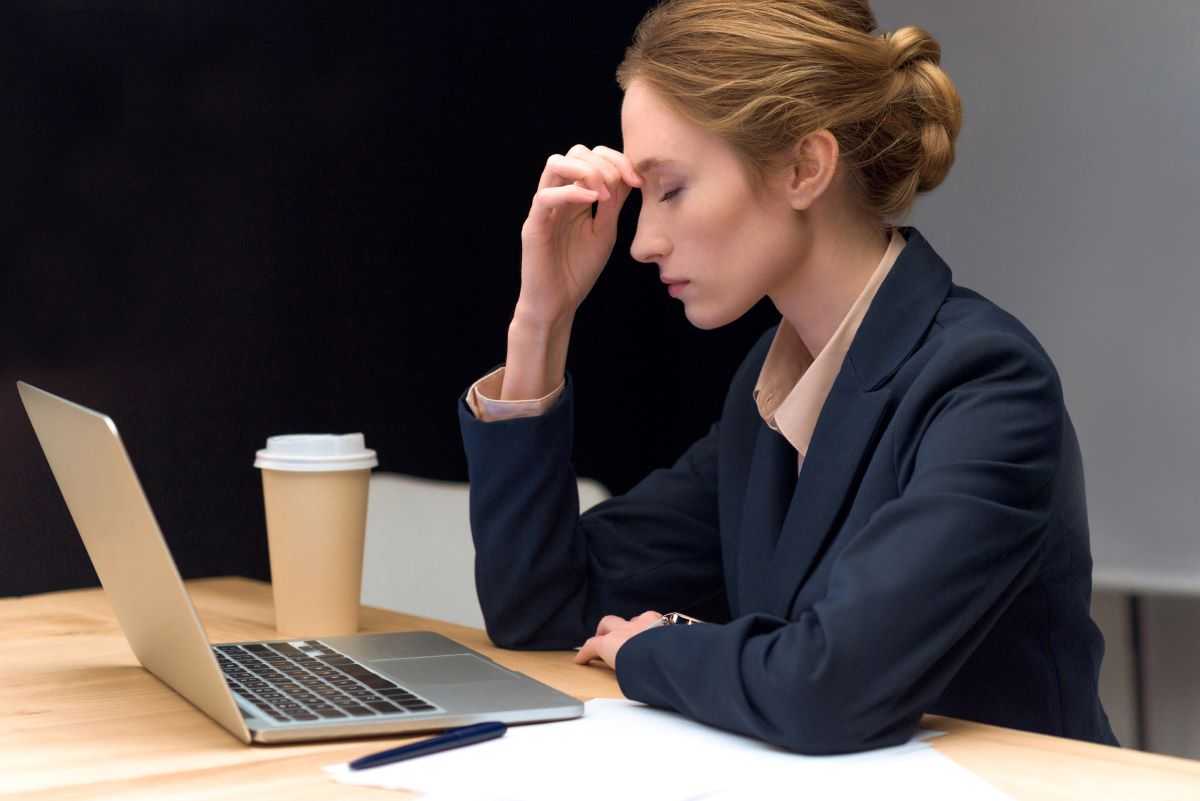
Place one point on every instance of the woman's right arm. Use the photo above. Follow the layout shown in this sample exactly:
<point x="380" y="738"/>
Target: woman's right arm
<point x="545" y="575"/>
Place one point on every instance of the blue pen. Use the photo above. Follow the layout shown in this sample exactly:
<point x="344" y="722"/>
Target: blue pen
<point x="451" y="738"/>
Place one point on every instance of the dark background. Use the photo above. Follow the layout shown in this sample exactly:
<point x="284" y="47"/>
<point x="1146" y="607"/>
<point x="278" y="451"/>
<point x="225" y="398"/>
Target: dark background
<point x="223" y="221"/>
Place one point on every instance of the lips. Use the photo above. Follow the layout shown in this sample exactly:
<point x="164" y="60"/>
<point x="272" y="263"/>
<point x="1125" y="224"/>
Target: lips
<point x="670" y="281"/>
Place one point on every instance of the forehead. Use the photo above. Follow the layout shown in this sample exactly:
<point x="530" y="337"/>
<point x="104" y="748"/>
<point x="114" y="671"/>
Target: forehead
<point x="653" y="132"/>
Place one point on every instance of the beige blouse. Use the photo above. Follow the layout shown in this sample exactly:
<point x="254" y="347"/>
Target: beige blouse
<point x="792" y="385"/>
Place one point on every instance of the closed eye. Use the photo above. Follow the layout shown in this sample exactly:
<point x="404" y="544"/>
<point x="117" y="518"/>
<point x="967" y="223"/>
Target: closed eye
<point x="670" y="195"/>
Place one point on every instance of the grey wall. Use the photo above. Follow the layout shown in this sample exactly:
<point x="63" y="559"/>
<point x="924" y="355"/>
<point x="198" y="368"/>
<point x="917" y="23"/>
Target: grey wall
<point x="1075" y="204"/>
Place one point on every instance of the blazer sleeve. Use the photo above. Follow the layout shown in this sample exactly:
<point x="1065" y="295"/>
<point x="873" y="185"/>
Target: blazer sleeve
<point x="483" y="400"/>
<point x="544" y="573"/>
<point x="911" y="593"/>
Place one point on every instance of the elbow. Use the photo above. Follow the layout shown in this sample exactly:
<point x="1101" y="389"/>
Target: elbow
<point x="811" y="742"/>
<point x="826" y="722"/>
<point x="810" y="738"/>
<point x="510" y="635"/>
<point x="831" y="742"/>
<point x="506" y="625"/>
<point x="503" y="638"/>
<point x="513" y="633"/>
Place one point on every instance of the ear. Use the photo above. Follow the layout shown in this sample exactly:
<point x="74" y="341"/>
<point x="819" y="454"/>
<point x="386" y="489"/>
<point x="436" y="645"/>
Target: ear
<point x="814" y="162"/>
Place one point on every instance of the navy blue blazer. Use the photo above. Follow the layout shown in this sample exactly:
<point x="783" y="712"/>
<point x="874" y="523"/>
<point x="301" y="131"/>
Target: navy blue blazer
<point x="931" y="556"/>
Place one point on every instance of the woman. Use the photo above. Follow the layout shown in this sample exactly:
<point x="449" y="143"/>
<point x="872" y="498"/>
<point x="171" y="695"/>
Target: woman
<point x="888" y="518"/>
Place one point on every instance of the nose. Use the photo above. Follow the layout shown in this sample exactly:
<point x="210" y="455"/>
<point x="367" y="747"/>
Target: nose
<point x="648" y="247"/>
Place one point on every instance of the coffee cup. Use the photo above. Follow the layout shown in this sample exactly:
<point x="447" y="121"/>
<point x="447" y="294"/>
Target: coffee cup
<point x="315" y="490"/>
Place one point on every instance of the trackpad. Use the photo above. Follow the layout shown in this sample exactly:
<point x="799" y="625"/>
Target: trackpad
<point x="450" y="669"/>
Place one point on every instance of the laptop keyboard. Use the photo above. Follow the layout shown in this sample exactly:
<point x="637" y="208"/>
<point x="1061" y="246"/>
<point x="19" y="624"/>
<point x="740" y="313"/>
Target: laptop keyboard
<point x="311" y="682"/>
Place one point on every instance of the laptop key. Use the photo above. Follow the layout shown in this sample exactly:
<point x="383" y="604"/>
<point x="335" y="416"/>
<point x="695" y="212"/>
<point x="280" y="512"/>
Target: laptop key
<point x="286" y="649"/>
<point x="337" y="661"/>
<point x="331" y="713"/>
<point x="384" y="706"/>
<point x="358" y="711"/>
<point x="304" y="716"/>
<point x="375" y="682"/>
<point x="356" y="670"/>
<point x="336" y="699"/>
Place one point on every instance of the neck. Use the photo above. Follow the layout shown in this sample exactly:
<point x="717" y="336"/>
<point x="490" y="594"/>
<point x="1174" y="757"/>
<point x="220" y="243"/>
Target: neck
<point x="820" y="291"/>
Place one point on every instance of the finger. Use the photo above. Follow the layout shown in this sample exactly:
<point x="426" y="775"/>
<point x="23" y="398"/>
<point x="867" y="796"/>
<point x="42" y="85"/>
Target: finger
<point x="619" y="173"/>
<point x="567" y="169"/>
<point x="609" y="623"/>
<point x="608" y="212"/>
<point x="622" y="162"/>
<point x="608" y="170"/>
<point x="588" y="652"/>
<point x="553" y="197"/>
<point x="648" y="617"/>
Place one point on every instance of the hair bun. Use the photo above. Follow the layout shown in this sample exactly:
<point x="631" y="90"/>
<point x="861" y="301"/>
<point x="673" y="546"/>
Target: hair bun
<point x="912" y="44"/>
<point x="925" y="112"/>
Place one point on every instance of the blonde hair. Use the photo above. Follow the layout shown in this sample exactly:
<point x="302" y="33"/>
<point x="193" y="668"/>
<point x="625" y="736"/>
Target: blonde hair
<point x="762" y="74"/>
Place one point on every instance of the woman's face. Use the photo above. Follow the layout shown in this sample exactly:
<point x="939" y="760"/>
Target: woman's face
<point x="699" y="220"/>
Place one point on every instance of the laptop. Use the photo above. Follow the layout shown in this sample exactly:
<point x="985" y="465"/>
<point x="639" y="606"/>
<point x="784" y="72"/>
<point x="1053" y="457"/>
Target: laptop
<point x="271" y="691"/>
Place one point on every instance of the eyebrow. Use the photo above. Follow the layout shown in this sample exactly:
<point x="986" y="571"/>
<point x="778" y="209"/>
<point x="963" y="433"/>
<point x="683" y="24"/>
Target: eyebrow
<point x="653" y="163"/>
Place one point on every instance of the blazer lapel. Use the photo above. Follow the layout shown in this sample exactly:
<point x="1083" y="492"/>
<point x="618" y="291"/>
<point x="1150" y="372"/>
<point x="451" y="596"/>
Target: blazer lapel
<point x="770" y="490"/>
<point x="851" y="420"/>
<point x="842" y="443"/>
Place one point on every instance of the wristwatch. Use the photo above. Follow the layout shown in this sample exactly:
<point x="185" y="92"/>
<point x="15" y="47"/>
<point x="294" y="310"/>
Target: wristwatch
<point x="677" y="619"/>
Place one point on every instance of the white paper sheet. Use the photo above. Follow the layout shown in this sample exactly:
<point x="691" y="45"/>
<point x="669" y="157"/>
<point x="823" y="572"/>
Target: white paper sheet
<point x="623" y="750"/>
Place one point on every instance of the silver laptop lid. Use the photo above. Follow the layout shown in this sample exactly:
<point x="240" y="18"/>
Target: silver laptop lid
<point x="127" y="549"/>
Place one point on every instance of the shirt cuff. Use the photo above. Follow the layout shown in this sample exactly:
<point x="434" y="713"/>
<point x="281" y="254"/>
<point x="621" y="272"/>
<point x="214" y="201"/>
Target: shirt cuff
<point x="483" y="396"/>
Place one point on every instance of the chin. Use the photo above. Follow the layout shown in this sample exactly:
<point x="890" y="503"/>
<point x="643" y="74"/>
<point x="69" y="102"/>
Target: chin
<point x="707" y="318"/>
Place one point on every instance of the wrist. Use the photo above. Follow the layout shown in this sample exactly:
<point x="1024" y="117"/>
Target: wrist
<point x="537" y="356"/>
<point x="534" y="325"/>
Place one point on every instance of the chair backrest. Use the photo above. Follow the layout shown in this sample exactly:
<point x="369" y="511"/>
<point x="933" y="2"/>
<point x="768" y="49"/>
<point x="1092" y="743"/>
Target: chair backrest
<point x="419" y="557"/>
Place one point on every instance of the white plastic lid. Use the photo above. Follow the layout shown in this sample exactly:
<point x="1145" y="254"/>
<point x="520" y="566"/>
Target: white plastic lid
<point x="314" y="453"/>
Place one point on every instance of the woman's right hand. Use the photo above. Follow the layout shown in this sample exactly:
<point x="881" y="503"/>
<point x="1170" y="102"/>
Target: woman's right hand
<point x="563" y="248"/>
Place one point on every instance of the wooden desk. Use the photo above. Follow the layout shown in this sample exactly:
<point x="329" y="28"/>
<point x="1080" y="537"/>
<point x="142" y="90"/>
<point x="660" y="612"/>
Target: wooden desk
<point x="79" y="719"/>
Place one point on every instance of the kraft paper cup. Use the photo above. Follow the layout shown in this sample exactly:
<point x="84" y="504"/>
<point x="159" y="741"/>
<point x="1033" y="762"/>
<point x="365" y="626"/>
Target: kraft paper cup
<point x="315" y="492"/>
